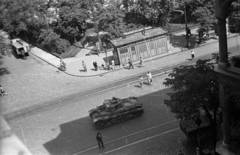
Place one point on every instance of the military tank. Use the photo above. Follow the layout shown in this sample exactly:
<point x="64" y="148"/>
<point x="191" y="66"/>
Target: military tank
<point x="116" y="110"/>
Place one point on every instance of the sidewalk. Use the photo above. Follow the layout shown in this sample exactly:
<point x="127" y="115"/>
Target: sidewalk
<point x="74" y="64"/>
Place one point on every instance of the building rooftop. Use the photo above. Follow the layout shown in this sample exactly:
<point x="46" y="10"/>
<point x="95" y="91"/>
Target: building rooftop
<point x="138" y="35"/>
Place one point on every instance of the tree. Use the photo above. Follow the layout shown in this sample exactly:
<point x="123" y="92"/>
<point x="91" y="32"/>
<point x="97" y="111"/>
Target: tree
<point x="72" y="18"/>
<point x="108" y="20"/>
<point x="156" y="12"/>
<point x="22" y="17"/>
<point x="203" y="11"/>
<point x="5" y="43"/>
<point x="52" y="42"/>
<point x="194" y="90"/>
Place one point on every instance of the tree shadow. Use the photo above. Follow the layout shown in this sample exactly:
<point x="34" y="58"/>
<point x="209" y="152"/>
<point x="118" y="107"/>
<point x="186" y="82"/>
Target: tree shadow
<point x="180" y="41"/>
<point x="79" y="135"/>
<point x="3" y="70"/>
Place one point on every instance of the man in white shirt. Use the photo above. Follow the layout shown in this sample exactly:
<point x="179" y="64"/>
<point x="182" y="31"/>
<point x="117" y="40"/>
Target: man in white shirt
<point x="192" y="54"/>
<point x="149" y="76"/>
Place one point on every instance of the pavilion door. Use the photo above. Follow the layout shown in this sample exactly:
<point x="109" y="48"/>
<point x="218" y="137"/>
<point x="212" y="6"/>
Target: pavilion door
<point x="164" y="45"/>
<point x="124" y="55"/>
<point x="152" y="48"/>
<point x="134" y="54"/>
<point x="158" y="46"/>
<point x="142" y="48"/>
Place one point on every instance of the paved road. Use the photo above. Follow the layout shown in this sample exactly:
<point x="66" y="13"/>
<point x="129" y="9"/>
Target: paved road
<point x="33" y="84"/>
<point x="107" y="87"/>
<point x="67" y="129"/>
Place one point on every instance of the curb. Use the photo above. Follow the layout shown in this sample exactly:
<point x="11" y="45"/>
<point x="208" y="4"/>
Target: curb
<point x="100" y="74"/>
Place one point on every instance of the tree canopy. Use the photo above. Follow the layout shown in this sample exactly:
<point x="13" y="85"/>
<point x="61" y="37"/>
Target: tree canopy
<point x="52" y="42"/>
<point x="72" y="18"/>
<point x="203" y="11"/>
<point x="155" y="12"/>
<point x="22" y="16"/>
<point x="194" y="89"/>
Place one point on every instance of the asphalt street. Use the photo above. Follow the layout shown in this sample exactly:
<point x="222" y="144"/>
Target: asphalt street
<point x="111" y="86"/>
<point x="65" y="128"/>
<point x="68" y="130"/>
<point x="33" y="84"/>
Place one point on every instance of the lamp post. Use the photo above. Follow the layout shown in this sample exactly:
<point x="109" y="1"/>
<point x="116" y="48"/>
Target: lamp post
<point x="105" y="46"/>
<point x="186" y="27"/>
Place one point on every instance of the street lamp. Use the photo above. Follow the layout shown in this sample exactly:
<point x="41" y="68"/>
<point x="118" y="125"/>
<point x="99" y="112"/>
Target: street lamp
<point x="105" y="46"/>
<point x="186" y="27"/>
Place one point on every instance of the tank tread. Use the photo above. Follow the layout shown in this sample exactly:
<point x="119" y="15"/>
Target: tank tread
<point x="103" y="124"/>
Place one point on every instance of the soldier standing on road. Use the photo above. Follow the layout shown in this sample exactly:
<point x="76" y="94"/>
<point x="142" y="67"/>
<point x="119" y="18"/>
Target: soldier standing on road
<point x="130" y="64"/>
<point x="99" y="140"/>
<point x="192" y="54"/>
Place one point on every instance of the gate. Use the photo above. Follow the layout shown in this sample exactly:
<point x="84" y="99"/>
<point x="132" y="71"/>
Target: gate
<point x="124" y="55"/>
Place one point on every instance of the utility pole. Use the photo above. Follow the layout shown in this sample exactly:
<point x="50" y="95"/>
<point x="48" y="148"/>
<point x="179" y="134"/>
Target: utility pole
<point x="186" y="27"/>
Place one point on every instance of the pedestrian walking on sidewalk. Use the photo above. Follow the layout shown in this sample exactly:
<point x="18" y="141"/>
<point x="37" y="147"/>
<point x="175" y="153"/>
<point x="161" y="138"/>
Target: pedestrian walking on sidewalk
<point x="130" y="64"/>
<point x="140" y="62"/>
<point x="113" y="64"/>
<point x="84" y="66"/>
<point x="149" y="77"/>
<point x="192" y="54"/>
<point x="95" y="65"/>
<point x="141" y="81"/>
<point x="99" y="140"/>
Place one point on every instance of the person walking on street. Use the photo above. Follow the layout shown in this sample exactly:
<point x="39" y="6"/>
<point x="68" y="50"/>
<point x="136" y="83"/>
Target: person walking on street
<point x="192" y="54"/>
<point x="95" y="65"/>
<point x="149" y="76"/>
<point x="141" y="81"/>
<point x="99" y="140"/>
<point x="180" y="152"/>
<point x="113" y="64"/>
<point x="84" y="66"/>
<point x="140" y="62"/>
<point x="130" y="64"/>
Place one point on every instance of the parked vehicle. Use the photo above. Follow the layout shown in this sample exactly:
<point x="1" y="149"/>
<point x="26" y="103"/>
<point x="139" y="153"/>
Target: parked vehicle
<point x="21" y="47"/>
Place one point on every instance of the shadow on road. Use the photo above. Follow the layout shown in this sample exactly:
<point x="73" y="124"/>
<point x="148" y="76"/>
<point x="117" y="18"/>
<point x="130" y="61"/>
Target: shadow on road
<point x="79" y="135"/>
<point x="180" y="41"/>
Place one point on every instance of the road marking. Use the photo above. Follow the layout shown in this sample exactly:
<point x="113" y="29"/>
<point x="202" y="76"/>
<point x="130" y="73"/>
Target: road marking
<point x="24" y="139"/>
<point x="126" y="136"/>
<point x="142" y="140"/>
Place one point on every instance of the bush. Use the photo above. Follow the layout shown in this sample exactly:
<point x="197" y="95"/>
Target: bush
<point x="52" y="42"/>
